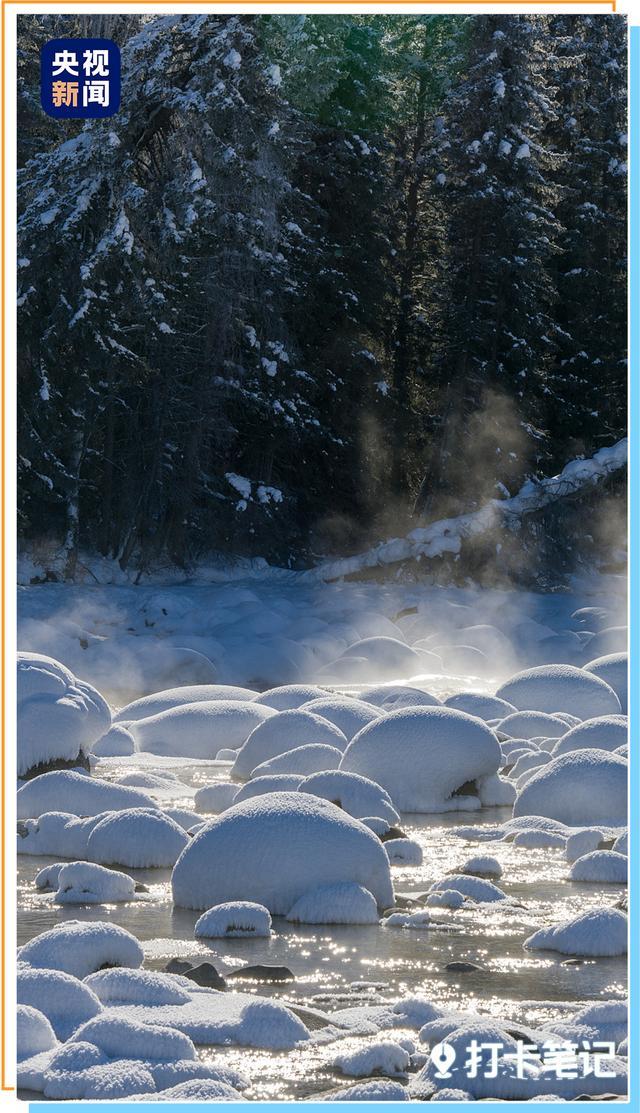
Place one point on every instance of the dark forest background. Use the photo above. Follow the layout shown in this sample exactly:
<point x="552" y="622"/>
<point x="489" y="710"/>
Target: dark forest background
<point x="322" y="278"/>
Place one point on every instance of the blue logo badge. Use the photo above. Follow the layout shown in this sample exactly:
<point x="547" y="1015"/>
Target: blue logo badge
<point x="80" y="78"/>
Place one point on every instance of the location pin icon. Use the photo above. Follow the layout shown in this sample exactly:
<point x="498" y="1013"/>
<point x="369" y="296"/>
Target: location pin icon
<point x="443" y="1057"/>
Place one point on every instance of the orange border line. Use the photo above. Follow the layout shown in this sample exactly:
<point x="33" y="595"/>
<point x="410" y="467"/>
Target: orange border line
<point x="106" y="3"/>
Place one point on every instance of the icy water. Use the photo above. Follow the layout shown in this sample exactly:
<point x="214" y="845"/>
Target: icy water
<point x="340" y="967"/>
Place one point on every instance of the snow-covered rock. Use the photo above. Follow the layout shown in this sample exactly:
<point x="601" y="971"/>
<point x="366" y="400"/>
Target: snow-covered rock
<point x="393" y="697"/>
<point x="276" y="782"/>
<point x="234" y="920"/>
<point x="580" y="788"/>
<point x="356" y="794"/>
<point x="288" y="697"/>
<point x="342" y="903"/>
<point x="404" y="852"/>
<point x="80" y="948"/>
<point x="607" y="732"/>
<point x="445" y="898"/>
<point x="139" y="838"/>
<point x="482" y="865"/>
<point x="120" y="986"/>
<point x="380" y="1090"/>
<point x="380" y="1057"/>
<point x="76" y="794"/>
<point x="215" y="798"/>
<point x="301" y="761"/>
<point x="600" y="932"/>
<point x="601" y="866"/>
<point x="56" y="833"/>
<point x="348" y="715"/>
<point x="475" y="888"/>
<point x="121" y="1038"/>
<point x="480" y="704"/>
<point x="422" y="756"/>
<point x="199" y="730"/>
<point x="531" y="724"/>
<point x="87" y="883"/>
<point x="117" y="742"/>
<point x="65" y="1000"/>
<point x="582" y="842"/>
<point x="275" y="848"/>
<point x="552" y="688"/>
<point x="58" y="717"/>
<point x="147" y="706"/>
<point x="613" y="669"/>
<point x="284" y="731"/>
<point x="34" y="1033"/>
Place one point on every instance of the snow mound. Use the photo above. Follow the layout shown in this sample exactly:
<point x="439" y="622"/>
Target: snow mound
<point x="120" y="1038"/>
<point x="289" y="697"/>
<point x="234" y="920"/>
<point x="608" y="1018"/>
<point x="482" y="866"/>
<point x="348" y="715"/>
<point x="382" y="1090"/>
<point x="277" y="782"/>
<point x="65" y="1000"/>
<point x="215" y="798"/>
<point x="539" y="840"/>
<point x="381" y="1057"/>
<point x="81" y="948"/>
<point x="480" y="704"/>
<point x="531" y="724"/>
<point x="75" y="794"/>
<point x="404" y="852"/>
<point x="601" y="866"/>
<point x="56" y="833"/>
<point x="126" y="666"/>
<point x="139" y="838"/>
<point x="301" y="761"/>
<point x="382" y="656"/>
<point x="423" y="756"/>
<point x="284" y="731"/>
<point x="621" y="845"/>
<point x="344" y="903"/>
<point x="147" y="706"/>
<point x="136" y="987"/>
<point x="34" y="1033"/>
<point x="58" y="717"/>
<point x="581" y="788"/>
<point x="600" y="932"/>
<point x="356" y="794"/>
<point x="474" y="888"/>
<point x="117" y="742"/>
<point x="607" y="732"/>
<point x="613" y="669"/>
<point x="194" y="1089"/>
<point x="393" y="697"/>
<point x="445" y="898"/>
<point x="275" y="848"/>
<point x="199" y="730"/>
<point x="553" y="688"/>
<point x="583" y="842"/>
<point x="84" y="883"/>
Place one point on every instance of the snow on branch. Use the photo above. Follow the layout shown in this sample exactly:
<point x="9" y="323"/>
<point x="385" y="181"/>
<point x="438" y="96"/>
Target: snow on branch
<point x="448" y="534"/>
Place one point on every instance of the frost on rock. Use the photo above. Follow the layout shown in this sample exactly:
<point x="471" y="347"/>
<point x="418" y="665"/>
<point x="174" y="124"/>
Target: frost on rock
<point x="553" y="688"/>
<point x="76" y="794"/>
<point x="344" y="903"/>
<point x="607" y="732"/>
<point x="357" y="795"/>
<point x="381" y="1057"/>
<point x="428" y="759"/>
<point x="139" y="838"/>
<point x="613" y="669"/>
<point x="34" y="1033"/>
<point x="580" y="788"/>
<point x="199" y="730"/>
<point x="147" y="706"/>
<point x="85" y="883"/>
<point x="80" y="948"/>
<point x="275" y="848"/>
<point x="601" y="866"/>
<point x="301" y="761"/>
<point x="234" y="920"/>
<point x="58" y="717"/>
<point x="285" y="731"/>
<point x="65" y="1000"/>
<point x="600" y="932"/>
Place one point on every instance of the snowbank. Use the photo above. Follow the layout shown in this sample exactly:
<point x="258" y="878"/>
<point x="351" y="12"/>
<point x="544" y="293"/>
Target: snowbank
<point x="138" y="838"/>
<point x="65" y="1000"/>
<point x="598" y="933"/>
<point x="285" y="731"/>
<point x="581" y="788"/>
<point x="275" y="848"/>
<point x="58" y="717"/>
<point x="553" y="688"/>
<point x="80" y="948"/>
<point x="601" y="866"/>
<point x="234" y="920"/>
<point x="422" y="756"/>
<point x="76" y="794"/>
<point x="613" y="669"/>
<point x="344" y="903"/>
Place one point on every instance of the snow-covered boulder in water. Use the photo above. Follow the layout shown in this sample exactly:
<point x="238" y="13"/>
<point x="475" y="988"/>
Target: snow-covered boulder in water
<point x="147" y="706"/>
<point x="286" y="730"/>
<point x="275" y="848"/>
<point x="199" y="730"/>
<point x="607" y="732"/>
<point x="392" y="697"/>
<point x="58" y="717"/>
<point x="613" y="669"/>
<point x="301" y="761"/>
<point x="480" y="704"/>
<point x="76" y="793"/>
<point x="356" y="794"/>
<point x="600" y="932"/>
<point x="117" y="742"/>
<point x="33" y="1032"/>
<point x="348" y="715"/>
<point x="425" y="756"/>
<point x="65" y="1000"/>
<point x="601" y="866"/>
<point x="554" y="688"/>
<point x="140" y="838"/>
<point x="236" y="919"/>
<point x="288" y="697"/>
<point x="88" y="883"/>
<point x="344" y="903"/>
<point x="581" y="788"/>
<point x="81" y="948"/>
